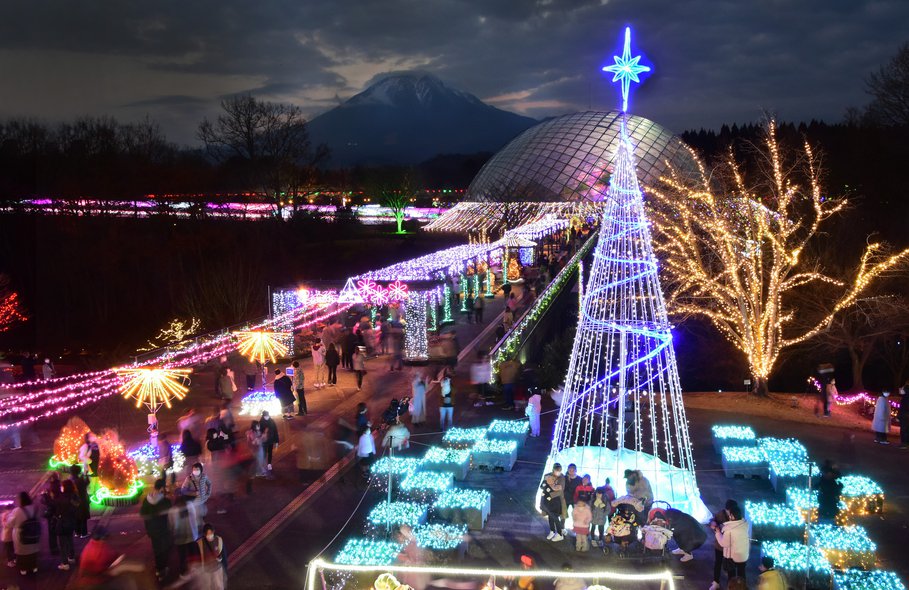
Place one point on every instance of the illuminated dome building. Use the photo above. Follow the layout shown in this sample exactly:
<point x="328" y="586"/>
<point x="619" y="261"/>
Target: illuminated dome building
<point x="561" y="167"/>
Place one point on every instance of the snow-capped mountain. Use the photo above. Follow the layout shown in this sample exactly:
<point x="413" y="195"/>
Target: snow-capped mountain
<point x="408" y="118"/>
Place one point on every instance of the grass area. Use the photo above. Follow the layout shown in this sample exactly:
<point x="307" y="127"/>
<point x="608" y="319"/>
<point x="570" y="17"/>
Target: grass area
<point x="793" y="407"/>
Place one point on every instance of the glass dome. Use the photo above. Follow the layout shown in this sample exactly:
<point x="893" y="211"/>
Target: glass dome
<point x="564" y="159"/>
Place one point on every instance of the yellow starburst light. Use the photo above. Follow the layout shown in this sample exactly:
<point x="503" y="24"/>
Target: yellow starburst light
<point x="153" y="386"/>
<point x="261" y="346"/>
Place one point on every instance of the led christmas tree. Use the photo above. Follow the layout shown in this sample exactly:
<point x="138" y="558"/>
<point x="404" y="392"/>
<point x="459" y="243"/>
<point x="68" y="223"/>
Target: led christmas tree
<point x="622" y="403"/>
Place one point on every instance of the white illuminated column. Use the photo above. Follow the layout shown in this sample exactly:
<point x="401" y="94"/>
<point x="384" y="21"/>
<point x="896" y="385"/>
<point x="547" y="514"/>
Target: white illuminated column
<point x="622" y="402"/>
<point x="416" y="339"/>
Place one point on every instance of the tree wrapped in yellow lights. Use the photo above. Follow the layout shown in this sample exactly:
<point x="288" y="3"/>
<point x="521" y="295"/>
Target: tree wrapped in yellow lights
<point x="153" y="387"/>
<point x="67" y="443"/>
<point x="262" y="346"/>
<point x="736" y="250"/>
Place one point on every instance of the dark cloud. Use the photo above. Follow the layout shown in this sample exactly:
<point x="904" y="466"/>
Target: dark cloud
<point x="714" y="61"/>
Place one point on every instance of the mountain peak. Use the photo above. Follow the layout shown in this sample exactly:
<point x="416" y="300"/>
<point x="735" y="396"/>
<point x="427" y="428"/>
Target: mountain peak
<point x="410" y="89"/>
<point x="408" y="117"/>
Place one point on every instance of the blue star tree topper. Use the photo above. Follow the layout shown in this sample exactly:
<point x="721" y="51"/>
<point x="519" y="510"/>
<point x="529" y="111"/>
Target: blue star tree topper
<point x="626" y="69"/>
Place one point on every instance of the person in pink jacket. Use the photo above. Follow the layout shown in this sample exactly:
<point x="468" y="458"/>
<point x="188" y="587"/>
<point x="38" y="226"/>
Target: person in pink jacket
<point x="581" y="516"/>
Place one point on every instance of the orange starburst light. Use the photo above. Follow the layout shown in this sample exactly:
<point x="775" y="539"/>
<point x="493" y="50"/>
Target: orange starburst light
<point x="261" y="346"/>
<point x="153" y="386"/>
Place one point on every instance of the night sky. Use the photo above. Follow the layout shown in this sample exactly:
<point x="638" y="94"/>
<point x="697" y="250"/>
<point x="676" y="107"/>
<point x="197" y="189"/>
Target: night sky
<point x="715" y="61"/>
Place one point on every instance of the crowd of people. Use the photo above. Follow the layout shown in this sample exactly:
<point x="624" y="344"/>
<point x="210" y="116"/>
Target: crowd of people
<point x="601" y="519"/>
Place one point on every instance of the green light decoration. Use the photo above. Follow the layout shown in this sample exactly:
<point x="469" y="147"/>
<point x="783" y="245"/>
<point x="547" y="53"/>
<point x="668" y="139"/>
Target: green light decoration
<point x="465" y="291"/>
<point x="476" y="284"/>
<point x="778" y="522"/>
<point x="462" y="499"/>
<point x="857" y="486"/>
<point x="508" y="427"/>
<point x="807" y="503"/>
<point x="782" y="448"/>
<point x="844" y="546"/>
<point x="730" y="432"/>
<point x="788" y="468"/>
<point x="497" y="447"/>
<point x="490" y="283"/>
<point x="796" y="558"/>
<point x="372" y="315"/>
<point x="463" y="437"/>
<point x="861" y="495"/>
<point x="433" y="314"/>
<point x="743" y="455"/>
<point x="867" y="580"/>
<point x="359" y="551"/>
<point x="105" y="497"/>
<point x="426" y="484"/>
<point x="439" y="455"/>
<point x="778" y="515"/>
<point x="55" y="465"/>
<point x="446" y="306"/>
<point x="440" y="537"/>
<point x="510" y="346"/>
<point x="395" y="514"/>
<point x="396" y="465"/>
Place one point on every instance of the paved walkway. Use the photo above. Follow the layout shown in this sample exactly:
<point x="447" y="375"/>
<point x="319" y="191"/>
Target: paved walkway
<point x="250" y="516"/>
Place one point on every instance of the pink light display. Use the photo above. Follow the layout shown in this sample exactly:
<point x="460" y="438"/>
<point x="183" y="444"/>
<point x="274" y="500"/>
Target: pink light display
<point x="65" y="394"/>
<point x="848" y="400"/>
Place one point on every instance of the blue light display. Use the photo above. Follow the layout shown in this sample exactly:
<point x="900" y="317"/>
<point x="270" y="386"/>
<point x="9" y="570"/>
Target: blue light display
<point x="626" y="69"/>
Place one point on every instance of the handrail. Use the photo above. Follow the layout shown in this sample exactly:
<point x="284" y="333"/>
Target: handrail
<point x="510" y="343"/>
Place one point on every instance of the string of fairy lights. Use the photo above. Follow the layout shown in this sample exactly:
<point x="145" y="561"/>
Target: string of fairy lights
<point x="424" y="497"/>
<point x="623" y="368"/>
<point x="63" y="395"/>
<point x="754" y="237"/>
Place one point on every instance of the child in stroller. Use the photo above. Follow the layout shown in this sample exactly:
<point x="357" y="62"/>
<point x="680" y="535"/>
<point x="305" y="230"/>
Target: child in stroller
<point x="656" y="534"/>
<point x="623" y="527"/>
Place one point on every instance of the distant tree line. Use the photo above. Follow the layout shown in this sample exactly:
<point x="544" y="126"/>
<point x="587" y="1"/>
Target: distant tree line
<point x="252" y="147"/>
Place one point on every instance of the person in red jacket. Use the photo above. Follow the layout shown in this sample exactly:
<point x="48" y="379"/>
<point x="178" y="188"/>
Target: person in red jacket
<point x="584" y="491"/>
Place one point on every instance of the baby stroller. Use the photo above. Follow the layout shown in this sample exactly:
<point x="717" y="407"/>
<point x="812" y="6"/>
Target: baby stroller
<point x="656" y="534"/>
<point x="622" y="531"/>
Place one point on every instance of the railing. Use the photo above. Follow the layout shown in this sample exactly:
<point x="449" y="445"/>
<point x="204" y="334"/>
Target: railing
<point x="511" y="342"/>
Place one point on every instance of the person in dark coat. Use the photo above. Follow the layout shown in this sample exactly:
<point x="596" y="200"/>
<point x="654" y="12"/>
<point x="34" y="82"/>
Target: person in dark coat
<point x="154" y="512"/>
<point x="190" y="447"/>
<point x="572" y="481"/>
<point x="83" y="511"/>
<point x="332" y="360"/>
<point x="828" y="494"/>
<point x="66" y="509"/>
<point x="347" y="350"/>
<point x="271" y="438"/>
<point x="49" y="496"/>
<point x="686" y="531"/>
<point x="284" y="391"/>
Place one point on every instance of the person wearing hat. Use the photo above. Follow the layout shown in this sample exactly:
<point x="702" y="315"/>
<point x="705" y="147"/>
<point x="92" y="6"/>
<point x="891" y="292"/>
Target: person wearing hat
<point x="770" y="577"/>
<point x="881" y="422"/>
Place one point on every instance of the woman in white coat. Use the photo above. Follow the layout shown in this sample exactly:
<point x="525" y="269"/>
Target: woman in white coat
<point x="881" y="423"/>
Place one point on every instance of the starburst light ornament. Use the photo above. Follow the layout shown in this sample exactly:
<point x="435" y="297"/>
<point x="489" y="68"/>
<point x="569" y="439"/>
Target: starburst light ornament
<point x="626" y="69"/>
<point x="262" y="346"/>
<point x="153" y="387"/>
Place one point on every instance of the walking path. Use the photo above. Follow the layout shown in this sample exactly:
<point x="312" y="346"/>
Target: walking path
<point x="251" y="519"/>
